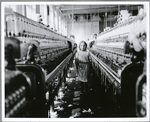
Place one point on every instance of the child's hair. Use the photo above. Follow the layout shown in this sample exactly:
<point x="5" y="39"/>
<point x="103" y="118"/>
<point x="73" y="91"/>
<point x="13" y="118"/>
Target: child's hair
<point x="81" y="43"/>
<point x="32" y="47"/>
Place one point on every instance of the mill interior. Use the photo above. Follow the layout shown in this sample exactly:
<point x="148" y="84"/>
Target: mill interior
<point x="43" y="70"/>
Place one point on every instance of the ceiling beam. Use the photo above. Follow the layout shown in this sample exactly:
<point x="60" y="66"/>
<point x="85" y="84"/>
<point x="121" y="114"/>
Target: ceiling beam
<point x="80" y="7"/>
<point x="95" y="10"/>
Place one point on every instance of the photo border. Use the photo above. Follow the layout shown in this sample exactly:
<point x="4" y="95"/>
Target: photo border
<point x="68" y="119"/>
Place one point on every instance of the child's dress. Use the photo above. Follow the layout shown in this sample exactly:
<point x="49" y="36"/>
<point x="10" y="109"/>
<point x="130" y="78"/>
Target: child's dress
<point x="82" y="64"/>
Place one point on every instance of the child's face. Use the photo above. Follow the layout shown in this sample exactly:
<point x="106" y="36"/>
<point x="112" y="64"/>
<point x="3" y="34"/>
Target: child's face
<point x="82" y="46"/>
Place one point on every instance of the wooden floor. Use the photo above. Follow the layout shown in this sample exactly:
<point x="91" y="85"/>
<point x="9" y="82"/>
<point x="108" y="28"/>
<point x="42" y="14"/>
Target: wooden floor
<point x="71" y="103"/>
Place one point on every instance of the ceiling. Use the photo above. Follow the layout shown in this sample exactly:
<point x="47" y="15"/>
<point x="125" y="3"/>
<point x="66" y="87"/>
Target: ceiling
<point x="89" y="9"/>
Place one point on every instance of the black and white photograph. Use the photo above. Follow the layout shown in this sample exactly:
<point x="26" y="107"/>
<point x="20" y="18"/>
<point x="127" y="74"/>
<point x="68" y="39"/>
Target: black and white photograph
<point x="71" y="61"/>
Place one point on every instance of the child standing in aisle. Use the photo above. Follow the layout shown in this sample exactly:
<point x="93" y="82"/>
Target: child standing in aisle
<point x="82" y="65"/>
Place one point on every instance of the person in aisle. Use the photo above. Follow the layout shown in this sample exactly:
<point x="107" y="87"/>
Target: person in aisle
<point x="82" y="66"/>
<point x="31" y="54"/>
<point x="91" y="43"/>
<point x="38" y="50"/>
